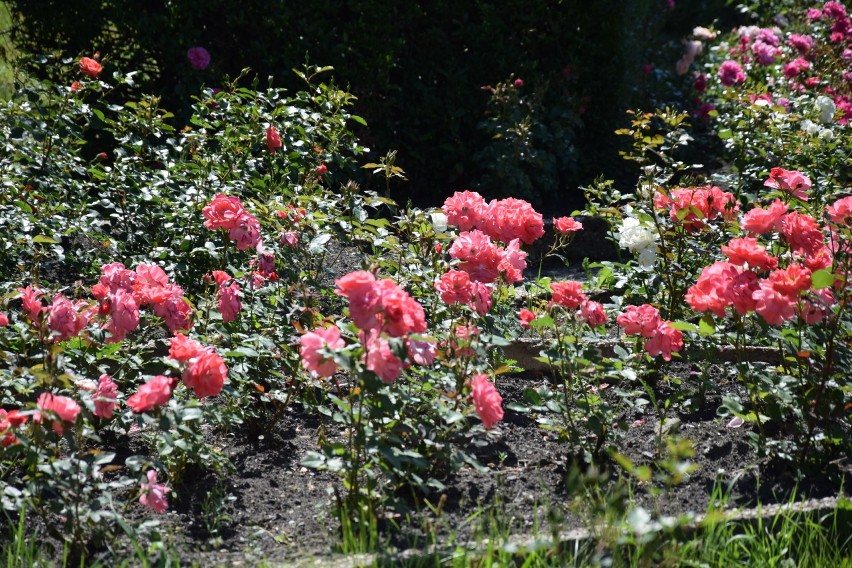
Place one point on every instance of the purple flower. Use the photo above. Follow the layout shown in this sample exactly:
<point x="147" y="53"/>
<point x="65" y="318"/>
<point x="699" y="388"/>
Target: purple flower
<point x="198" y="57"/>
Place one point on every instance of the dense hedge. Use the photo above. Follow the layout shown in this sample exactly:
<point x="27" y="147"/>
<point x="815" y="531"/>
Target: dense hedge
<point x="418" y="69"/>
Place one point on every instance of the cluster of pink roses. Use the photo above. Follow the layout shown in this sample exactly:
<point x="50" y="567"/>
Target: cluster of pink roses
<point x="694" y="206"/>
<point x="502" y="220"/>
<point x="645" y="321"/>
<point x="382" y="310"/>
<point x="481" y="260"/>
<point x="227" y="212"/>
<point x="120" y="293"/>
<point x="751" y="281"/>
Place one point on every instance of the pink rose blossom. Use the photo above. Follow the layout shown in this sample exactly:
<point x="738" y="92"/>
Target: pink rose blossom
<point x="759" y="221"/>
<point x="793" y="182"/>
<point x="62" y="407"/>
<point x="182" y="348"/>
<point x="223" y="212"/>
<point x="90" y="67"/>
<point x="380" y="359"/>
<point x="153" y="493"/>
<point x="640" y="320"/>
<point x="747" y="251"/>
<point x="205" y="374"/>
<point x="273" y="139"/>
<point x="666" y="340"/>
<point x="229" y="301"/>
<point x="464" y="210"/>
<point x="569" y="294"/>
<point x="106" y="397"/>
<point x="486" y="400"/>
<point x="730" y="73"/>
<point x="480" y="298"/>
<point x="454" y="287"/>
<point x="31" y="303"/>
<point x="66" y="319"/>
<point x="773" y="306"/>
<point x="327" y="338"/>
<point x="567" y="225"/>
<point x="526" y="317"/>
<point x="840" y="212"/>
<point x="156" y="392"/>
<point x="124" y="316"/>
<point x="592" y="313"/>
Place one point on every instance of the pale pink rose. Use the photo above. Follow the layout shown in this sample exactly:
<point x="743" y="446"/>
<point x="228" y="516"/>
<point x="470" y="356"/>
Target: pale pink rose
<point x="175" y="310"/>
<point x="106" y="397"/>
<point x="153" y="493"/>
<point x="592" y="313"/>
<point x="422" y="351"/>
<point x="229" y="302"/>
<point x="290" y="239"/>
<point x="380" y="358"/>
<point x="66" y="319"/>
<point x="486" y="400"/>
<point x="322" y="339"/>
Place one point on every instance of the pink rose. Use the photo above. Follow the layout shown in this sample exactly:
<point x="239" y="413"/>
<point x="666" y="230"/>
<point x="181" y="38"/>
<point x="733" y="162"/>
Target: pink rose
<point x="206" y="374"/>
<point x="223" y="212"/>
<point x="567" y="225"/>
<point x="486" y="400"/>
<point x="62" y="407"/>
<point x="90" y="67"/>
<point x="380" y="358"/>
<point x="730" y="73"/>
<point x="273" y="139"/>
<point x="182" y="348"/>
<point x="229" y="302"/>
<point x="569" y="294"/>
<point x="66" y="319"/>
<point x="454" y="287"/>
<point x="526" y="317"/>
<point x="153" y="493"/>
<point x="106" y="397"/>
<point x="156" y="392"/>
<point x="327" y="338"/>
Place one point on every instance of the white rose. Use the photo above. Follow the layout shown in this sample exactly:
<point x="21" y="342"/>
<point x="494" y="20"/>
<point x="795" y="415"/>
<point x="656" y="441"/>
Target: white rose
<point x="826" y="134"/>
<point x="439" y="222"/>
<point x="810" y="127"/>
<point x="826" y="108"/>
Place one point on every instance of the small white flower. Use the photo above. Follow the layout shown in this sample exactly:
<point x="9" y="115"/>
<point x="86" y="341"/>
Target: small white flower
<point x="826" y="109"/>
<point x="810" y="127"/>
<point x="826" y="134"/>
<point x="439" y="222"/>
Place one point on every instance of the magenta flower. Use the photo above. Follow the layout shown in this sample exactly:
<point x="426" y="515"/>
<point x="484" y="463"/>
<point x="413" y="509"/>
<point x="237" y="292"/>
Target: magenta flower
<point x="198" y="57"/>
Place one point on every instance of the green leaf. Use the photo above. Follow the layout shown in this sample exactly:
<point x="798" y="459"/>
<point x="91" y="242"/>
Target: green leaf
<point x="725" y="133"/>
<point x="684" y="326"/>
<point x="706" y="327"/>
<point x="317" y="245"/>
<point x="44" y="239"/>
<point x="358" y="119"/>
<point x="822" y="279"/>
